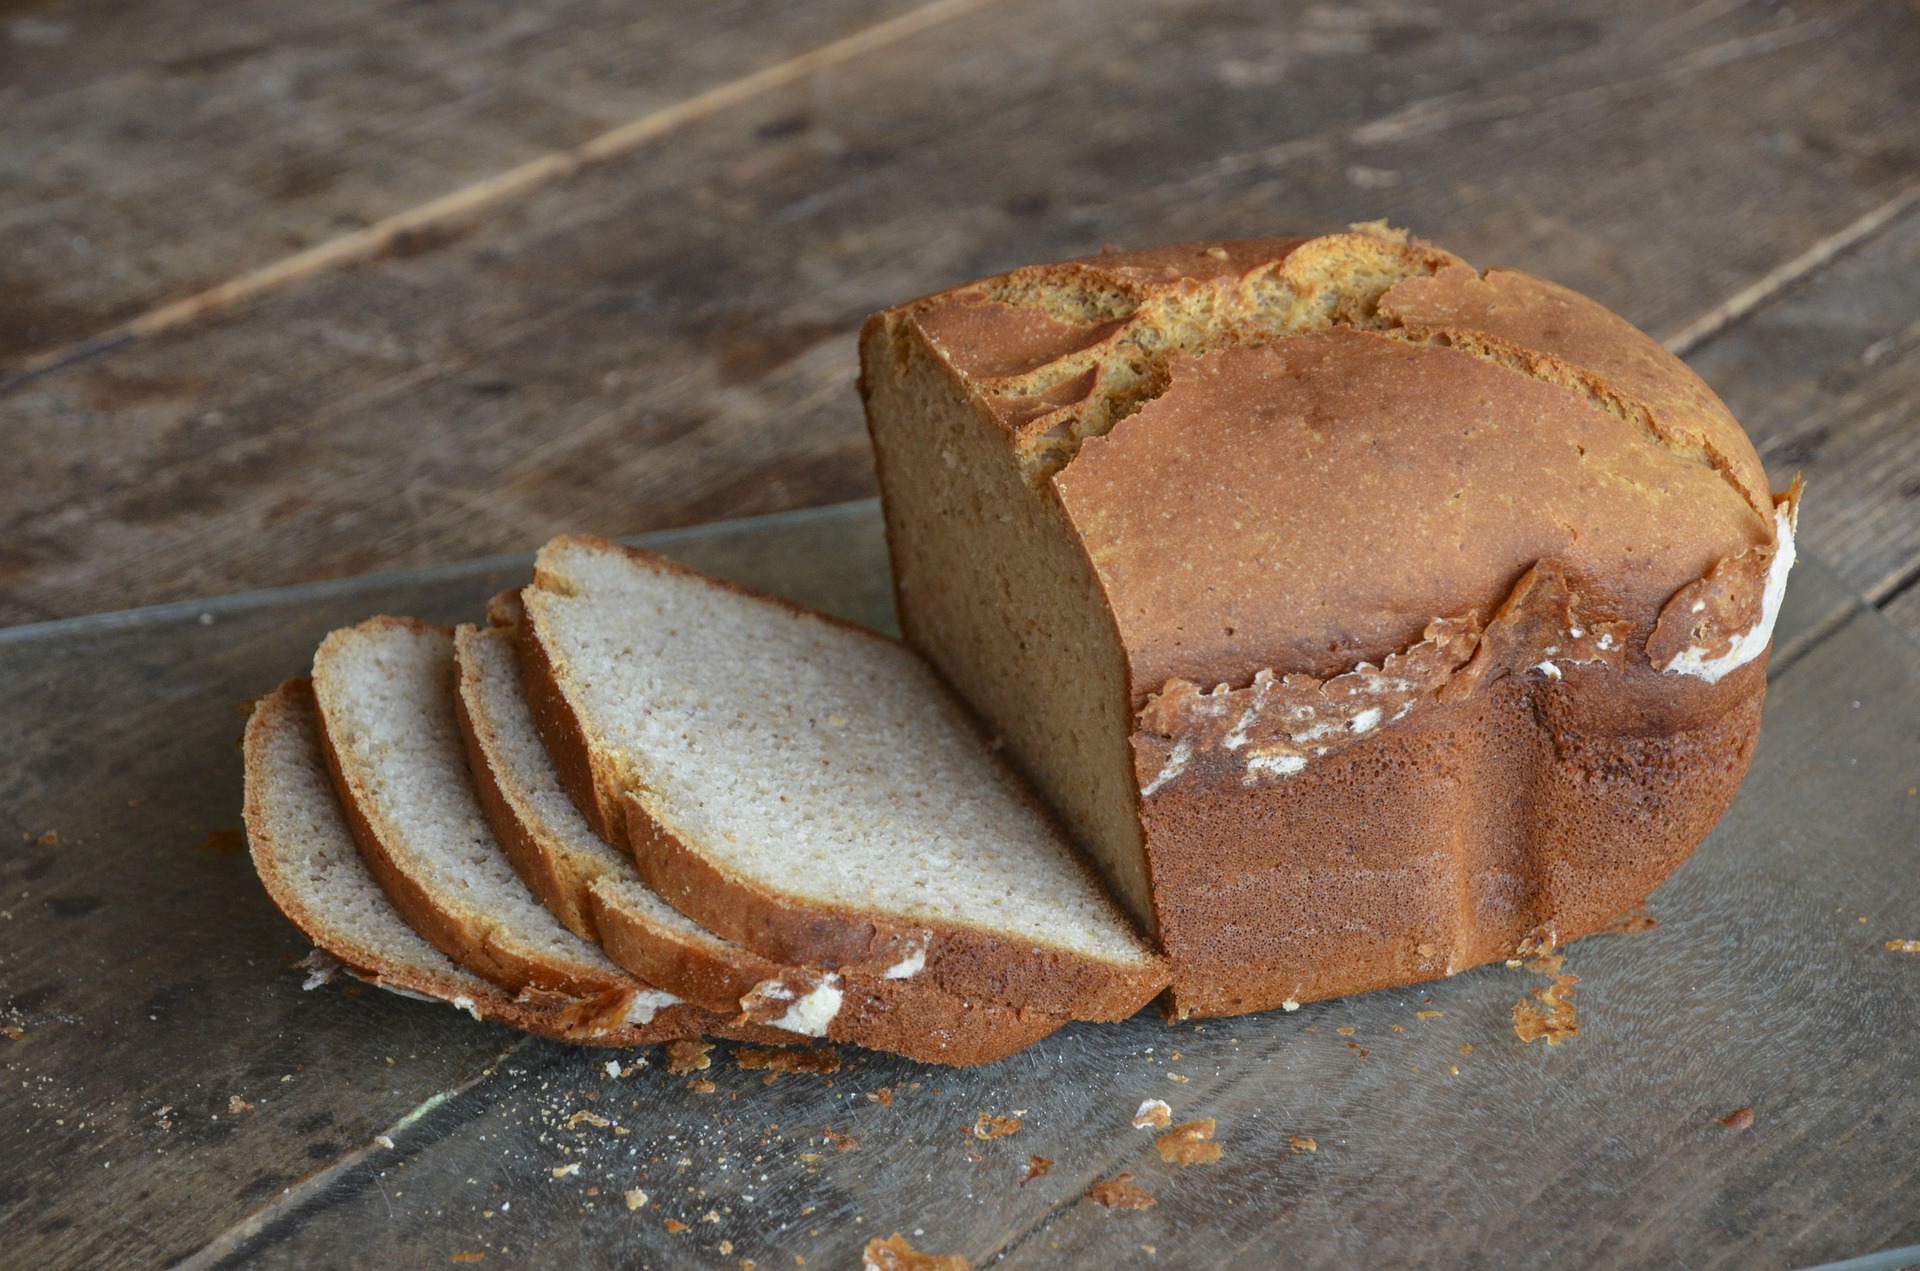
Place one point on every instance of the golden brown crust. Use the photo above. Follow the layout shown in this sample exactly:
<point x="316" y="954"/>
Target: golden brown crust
<point x="1532" y="806"/>
<point x="1456" y="503"/>
<point x="1532" y="313"/>
<point x="906" y="1018"/>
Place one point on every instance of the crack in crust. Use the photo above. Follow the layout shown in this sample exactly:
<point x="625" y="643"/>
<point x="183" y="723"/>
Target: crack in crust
<point x="1272" y="728"/>
<point x="1125" y="332"/>
<point x="1129" y="331"/>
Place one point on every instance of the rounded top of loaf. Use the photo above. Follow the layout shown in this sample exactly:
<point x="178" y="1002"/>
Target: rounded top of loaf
<point x="1294" y="454"/>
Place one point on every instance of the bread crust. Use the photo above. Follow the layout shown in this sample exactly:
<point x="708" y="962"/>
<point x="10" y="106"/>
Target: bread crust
<point x="909" y="1019"/>
<point x="291" y="708"/>
<point x="968" y="963"/>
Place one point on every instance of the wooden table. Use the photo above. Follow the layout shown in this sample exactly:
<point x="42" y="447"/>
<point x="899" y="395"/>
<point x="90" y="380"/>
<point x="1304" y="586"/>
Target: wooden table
<point x="294" y="293"/>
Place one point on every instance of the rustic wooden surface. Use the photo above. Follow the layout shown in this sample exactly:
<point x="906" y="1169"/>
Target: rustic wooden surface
<point x="151" y="984"/>
<point x="665" y="338"/>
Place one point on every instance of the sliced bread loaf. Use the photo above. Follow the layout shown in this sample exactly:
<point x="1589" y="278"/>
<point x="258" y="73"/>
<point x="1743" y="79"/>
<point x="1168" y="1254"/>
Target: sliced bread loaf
<point x="586" y="882"/>
<point x="810" y="790"/>
<point x="306" y="859"/>
<point x="385" y="691"/>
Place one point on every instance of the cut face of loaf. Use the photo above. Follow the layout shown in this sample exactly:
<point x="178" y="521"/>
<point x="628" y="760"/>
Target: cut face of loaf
<point x="810" y="790"/>
<point x="385" y="691"/>
<point x="1361" y="613"/>
<point x="584" y="880"/>
<point x="306" y="858"/>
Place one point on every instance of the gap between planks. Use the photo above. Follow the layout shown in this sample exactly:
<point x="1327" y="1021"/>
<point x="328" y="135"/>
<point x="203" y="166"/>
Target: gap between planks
<point x="383" y="234"/>
<point x="1742" y="303"/>
<point x="293" y="1202"/>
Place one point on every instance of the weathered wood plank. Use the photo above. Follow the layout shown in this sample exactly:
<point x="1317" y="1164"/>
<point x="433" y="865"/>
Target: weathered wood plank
<point x="152" y="150"/>
<point x="149" y="977"/>
<point x="1759" y="985"/>
<point x="1827" y="380"/>
<point x="667" y="340"/>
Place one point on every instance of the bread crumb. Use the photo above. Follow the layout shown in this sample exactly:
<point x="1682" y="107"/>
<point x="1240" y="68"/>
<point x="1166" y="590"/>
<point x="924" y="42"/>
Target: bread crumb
<point x="1119" y="1192"/>
<point x="1550" y="1015"/>
<point x="566" y="1171"/>
<point x="839" y="1142"/>
<point x="1153" y="1114"/>
<point x="895" y="1254"/>
<point x="712" y="1216"/>
<point x="688" y="1055"/>
<point x="1738" y="1119"/>
<point x="1189" y="1143"/>
<point x="473" y="1256"/>
<point x="381" y="1139"/>
<point x="1176" y="1077"/>
<point x="1037" y="1167"/>
<point x="1903" y="946"/>
<point x="674" y="1226"/>
<point x="883" y="1095"/>
<point x="49" y="839"/>
<point x="236" y="1105"/>
<point x="992" y="1127"/>
<point x="700" y="1085"/>
<point x="1300" y="1143"/>
<point x="590" y="1118"/>
<point x="1428" y="1014"/>
<point x="821" y="1059"/>
<point x="1344" y="1032"/>
<point x="1466" y="1048"/>
<point x="635" y="1198"/>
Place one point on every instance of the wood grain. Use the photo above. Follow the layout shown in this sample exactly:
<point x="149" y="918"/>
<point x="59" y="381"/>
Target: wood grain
<point x="667" y="340"/>
<point x="1758" y="986"/>
<point x="151" y="150"/>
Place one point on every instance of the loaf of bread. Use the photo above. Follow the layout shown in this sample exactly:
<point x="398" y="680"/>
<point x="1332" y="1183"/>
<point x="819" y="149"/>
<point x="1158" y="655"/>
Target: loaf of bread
<point x="1367" y="616"/>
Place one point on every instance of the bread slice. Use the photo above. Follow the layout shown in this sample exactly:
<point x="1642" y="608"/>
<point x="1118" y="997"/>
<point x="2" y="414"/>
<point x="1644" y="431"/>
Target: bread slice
<point x="586" y="882"/>
<point x="385" y="691"/>
<point x="810" y="790"/>
<point x="306" y="859"/>
<point x="556" y="853"/>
